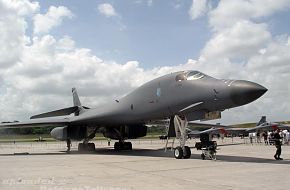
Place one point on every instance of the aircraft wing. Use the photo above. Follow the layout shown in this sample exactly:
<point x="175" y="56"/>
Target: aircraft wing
<point x="236" y="131"/>
<point x="190" y="124"/>
<point x="61" y="112"/>
<point x="206" y="125"/>
<point x="209" y="131"/>
<point x="44" y="122"/>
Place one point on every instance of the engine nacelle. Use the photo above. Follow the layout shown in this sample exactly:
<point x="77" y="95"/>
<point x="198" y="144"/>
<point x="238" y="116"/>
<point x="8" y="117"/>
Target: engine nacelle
<point x="69" y="132"/>
<point x="59" y="133"/>
<point x="126" y="132"/>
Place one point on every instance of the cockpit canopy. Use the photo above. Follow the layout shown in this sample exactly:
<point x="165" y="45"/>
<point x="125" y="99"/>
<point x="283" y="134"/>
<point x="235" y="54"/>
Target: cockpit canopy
<point x="189" y="75"/>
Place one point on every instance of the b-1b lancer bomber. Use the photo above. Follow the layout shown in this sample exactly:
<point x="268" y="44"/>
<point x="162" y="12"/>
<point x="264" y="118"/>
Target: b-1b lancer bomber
<point x="181" y="97"/>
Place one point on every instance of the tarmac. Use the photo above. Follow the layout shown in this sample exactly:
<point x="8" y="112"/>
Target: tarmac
<point x="46" y="166"/>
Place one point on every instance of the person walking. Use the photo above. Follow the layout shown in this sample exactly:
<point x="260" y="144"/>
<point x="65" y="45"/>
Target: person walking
<point x="68" y="144"/>
<point x="258" y="137"/>
<point x="287" y="137"/>
<point x="277" y="140"/>
<point x="265" y="136"/>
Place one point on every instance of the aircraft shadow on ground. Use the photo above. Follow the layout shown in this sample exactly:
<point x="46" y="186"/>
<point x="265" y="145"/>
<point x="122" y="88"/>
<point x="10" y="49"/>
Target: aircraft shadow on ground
<point x="159" y="153"/>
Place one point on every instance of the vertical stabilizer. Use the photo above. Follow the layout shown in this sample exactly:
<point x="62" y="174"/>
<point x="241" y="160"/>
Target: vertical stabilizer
<point x="262" y="120"/>
<point x="76" y="100"/>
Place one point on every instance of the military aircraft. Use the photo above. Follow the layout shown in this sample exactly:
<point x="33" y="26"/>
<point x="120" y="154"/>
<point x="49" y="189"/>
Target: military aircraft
<point x="181" y="97"/>
<point x="208" y="146"/>
<point x="262" y="125"/>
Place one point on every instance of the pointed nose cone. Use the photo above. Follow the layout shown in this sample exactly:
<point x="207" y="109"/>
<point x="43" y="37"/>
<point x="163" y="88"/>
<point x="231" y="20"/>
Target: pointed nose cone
<point x="244" y="92"/>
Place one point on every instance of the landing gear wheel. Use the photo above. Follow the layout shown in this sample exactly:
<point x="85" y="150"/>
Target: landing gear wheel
<point x="91" y="147"/>
<point x="127" y="146"/>
<point x="81" y="147"/>
<point x="118" y="146"/>
<point x="202" y="156"/>
<point x="178" y="152"/>
<point x="187" y="152"/>
<point x="86" y="147"/>
<point x="122" y="146"/>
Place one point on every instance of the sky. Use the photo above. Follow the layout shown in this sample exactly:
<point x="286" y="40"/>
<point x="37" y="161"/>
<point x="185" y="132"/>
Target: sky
<point x="108" y="48"/>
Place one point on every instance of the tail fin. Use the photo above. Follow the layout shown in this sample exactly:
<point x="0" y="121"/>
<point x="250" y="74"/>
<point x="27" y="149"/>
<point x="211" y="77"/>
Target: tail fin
<point x="76" y="100"/>
<point x="262" y="120"/>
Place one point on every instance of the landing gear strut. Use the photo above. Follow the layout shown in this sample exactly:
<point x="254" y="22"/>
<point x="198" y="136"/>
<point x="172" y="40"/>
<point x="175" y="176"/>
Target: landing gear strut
<point x="85" y="145"/>
<point x="181" y="151"/>
<point x="122" y="145"/>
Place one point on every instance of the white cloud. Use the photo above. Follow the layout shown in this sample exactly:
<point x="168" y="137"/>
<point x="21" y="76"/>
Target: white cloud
<point x="242" y="47"/>
<point x="12" y="29"/>
<point x="43" y="23"/>
<point x="275" y="57"/>
<point x="107" y="10"/>
<point x="20" y="8"/>
<point x="198" y="8"/>
<point x="39" y="75"/>
<point x="241" y="41"/>
<point x="228" y="12"/>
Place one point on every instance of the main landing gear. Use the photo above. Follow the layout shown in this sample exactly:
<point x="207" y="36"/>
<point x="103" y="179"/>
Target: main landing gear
<point x="85" y="146"/>
<point x="180" y="126"/>
<point x="122" y="146"/>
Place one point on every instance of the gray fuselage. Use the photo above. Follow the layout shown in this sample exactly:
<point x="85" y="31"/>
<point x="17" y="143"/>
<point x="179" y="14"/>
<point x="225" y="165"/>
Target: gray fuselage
<point x="187" y="93"/>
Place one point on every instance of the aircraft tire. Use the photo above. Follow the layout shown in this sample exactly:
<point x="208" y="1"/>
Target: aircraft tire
<point x="187" y="152"/>
<point x="178" y="153"/>
<point x="117" y="146"/>
<point x="91" y="147"/>
<point x="127" y="146"/>
<point x="81" y="147"/>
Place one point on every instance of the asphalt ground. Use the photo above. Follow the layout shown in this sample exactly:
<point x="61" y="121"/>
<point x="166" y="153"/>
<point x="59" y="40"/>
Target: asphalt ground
<point x="46" y="166"/>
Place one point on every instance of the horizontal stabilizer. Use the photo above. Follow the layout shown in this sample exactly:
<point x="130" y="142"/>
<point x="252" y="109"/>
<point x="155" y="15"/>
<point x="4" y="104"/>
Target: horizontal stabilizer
<point x="61" y="112"/>
<point x="45" y="122"/>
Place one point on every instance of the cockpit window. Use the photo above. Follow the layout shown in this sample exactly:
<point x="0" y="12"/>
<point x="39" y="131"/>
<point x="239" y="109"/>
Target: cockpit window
<point x="194" y="75"/>
<point x="190" y="75"/>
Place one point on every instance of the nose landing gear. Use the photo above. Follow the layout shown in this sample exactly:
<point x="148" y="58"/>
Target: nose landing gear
<point x="180" y="125"/>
